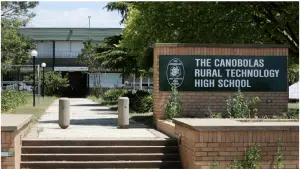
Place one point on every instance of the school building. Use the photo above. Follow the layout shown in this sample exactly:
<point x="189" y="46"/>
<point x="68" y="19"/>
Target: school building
<point x="59" y="49"/>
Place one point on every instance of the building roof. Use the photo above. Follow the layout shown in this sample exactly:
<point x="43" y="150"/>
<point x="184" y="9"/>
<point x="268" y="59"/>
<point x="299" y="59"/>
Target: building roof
<point x="294" y="91"/>
<point x="96" y="34"/>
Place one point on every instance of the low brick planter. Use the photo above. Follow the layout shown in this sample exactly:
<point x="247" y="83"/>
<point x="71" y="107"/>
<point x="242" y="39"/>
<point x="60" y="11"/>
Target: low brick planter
<point x="13" y="129"/>
<point x="166" y="127"/>
<point x="222" y="140"/>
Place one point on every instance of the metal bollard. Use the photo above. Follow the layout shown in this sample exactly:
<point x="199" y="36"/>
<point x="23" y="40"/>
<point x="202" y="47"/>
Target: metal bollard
<point x="64" y="113"/>
<point x="123" y="112"/>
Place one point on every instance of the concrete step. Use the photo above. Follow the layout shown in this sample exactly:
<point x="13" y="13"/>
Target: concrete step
<point x="97" y="149"/>
<point x="100" y="164"/>
<point x="36" y="142"/>
<point x="100" y="157"/>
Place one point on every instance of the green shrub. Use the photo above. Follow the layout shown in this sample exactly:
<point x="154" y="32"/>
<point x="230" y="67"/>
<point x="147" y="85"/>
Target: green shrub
<point x="140" y="101"/>
<point x="240" y="107"/>
<point x="279" y="157"/>
<point x="210" y="114"/>
<point x="250" y="161"/>
<point x="292" y="114"/>
<point x="11" y="99"/>
<point x="113" y="95"/>
<point x="147" y="104"/>
<point x="97" y="92"/>
<point x="55" y="84"/>
<point x="173" y="107"/>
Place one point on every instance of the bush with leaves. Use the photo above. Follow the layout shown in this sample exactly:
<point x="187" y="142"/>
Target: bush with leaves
<point x="279" y="157"/>
<point x="251" y="157"/>
<point x="210" y="114"/>
<point x="240" y="107"/>
<point x="290" y="114"/>
<point x="55" y="84"/>
<point x="11" y="99"/>
<point x="173" y="107"/>
<point x="250" y="161"/>
<point x="112" y="95"/>
<point x="147" y="104"/>
<point x="140" y="101"/>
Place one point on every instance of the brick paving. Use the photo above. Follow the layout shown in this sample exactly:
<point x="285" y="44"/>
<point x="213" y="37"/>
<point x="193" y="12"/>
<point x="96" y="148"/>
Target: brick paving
<point x="89" y="120"/>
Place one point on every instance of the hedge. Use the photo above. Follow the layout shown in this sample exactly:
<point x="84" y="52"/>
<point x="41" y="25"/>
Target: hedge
<point x="11" y="99"/>
<point x="140" y="101"/>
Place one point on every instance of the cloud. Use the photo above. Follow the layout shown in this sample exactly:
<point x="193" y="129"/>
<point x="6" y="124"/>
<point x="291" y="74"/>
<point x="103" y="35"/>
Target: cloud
<point x="76" y="17"/>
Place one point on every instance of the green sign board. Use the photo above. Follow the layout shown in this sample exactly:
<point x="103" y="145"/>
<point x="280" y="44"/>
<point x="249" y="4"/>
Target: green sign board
<point x="223" y="73"/>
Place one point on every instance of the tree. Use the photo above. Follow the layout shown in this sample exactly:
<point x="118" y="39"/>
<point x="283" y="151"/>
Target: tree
<point x="108" y="56"/>
<point x="122" y="7"/>
<point x="14" y="46"/>
<point x="209" y="22"/>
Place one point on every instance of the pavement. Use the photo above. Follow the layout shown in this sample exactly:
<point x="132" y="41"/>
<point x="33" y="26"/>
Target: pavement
<point x="89" y="120"/>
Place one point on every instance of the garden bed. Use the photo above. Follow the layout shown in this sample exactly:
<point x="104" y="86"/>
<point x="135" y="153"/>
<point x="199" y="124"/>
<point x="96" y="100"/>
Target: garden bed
<point x="267" y="120"/>
<point x="166" y="127"/>
<point x="204" y="141"/>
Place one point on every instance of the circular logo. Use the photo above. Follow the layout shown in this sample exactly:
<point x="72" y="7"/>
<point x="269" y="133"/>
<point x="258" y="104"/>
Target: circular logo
<point x="175" y="72"/>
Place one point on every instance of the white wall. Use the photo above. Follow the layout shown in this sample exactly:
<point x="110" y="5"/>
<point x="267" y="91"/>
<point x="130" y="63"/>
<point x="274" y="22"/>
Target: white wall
<point x="106" y="80"/>
<point x="44" y="49"/>
<point x="68" y="49"/>
<point x="63" y="49"/>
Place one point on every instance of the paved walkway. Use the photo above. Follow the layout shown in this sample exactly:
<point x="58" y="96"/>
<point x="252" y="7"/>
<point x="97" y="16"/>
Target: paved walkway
<point x="89" y="120"/>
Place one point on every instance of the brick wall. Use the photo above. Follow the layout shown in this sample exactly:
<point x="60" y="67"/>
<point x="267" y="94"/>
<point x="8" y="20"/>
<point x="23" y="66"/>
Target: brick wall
<point x="12" y="141"/>
<point x="195" y="103"/>
<point x="198" y="149"/>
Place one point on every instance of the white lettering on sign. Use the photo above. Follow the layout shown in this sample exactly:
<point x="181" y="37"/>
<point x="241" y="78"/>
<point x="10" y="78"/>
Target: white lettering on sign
<point x="251" y="73"/>
<point x="204" y="83"/>
<point x="203" y="62"/>
<point x="239" y="63"/>
<point x="237" y="74"/>
<point x="208" y="73"/>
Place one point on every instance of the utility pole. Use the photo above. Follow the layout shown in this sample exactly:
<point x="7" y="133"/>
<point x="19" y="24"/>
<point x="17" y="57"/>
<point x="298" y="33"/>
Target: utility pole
<point x="89" y="21"/>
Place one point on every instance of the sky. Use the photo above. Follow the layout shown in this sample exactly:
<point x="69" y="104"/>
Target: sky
<point x="74" y="14"/>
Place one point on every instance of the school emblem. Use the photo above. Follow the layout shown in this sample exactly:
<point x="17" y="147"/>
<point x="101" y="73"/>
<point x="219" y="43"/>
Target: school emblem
<point x="175" y="72"/>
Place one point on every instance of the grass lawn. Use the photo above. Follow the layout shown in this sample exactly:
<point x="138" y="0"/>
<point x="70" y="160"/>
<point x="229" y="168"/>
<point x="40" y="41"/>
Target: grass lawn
<point x="37" y="111"/>
<point x="144" y="118"/>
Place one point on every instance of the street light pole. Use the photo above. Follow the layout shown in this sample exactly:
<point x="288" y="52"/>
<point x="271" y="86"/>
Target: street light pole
<point x="34" y="55"/>
<point x="43" y="66"/>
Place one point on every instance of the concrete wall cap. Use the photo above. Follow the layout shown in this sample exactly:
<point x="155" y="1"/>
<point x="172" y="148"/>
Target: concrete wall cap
<point x="14" y="122"/>
<point x="221" y="45"/>
<point x="206" y="124"/>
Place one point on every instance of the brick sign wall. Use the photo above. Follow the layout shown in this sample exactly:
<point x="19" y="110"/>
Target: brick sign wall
<point x="207" y="74"/>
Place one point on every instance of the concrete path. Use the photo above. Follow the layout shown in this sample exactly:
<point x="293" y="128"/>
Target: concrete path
<point x="89" y="120"/>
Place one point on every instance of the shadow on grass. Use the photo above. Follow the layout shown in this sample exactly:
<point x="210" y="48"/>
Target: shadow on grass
<point x="146" y="119"/>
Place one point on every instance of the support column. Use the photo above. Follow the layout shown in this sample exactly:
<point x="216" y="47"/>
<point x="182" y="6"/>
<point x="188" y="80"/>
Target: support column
<point x="53" y="53"/>
<point x="141" y="82"/>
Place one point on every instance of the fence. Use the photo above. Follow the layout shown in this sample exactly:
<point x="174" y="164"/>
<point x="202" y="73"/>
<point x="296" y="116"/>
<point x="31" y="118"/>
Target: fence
<point x="20" y="77"/>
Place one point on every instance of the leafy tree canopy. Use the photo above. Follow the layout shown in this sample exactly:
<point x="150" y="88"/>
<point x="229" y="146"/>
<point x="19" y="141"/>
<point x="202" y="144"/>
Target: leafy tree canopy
<point x="209" y="22"/>
<point x="14" y="46"/>
<point x="108" y="56"/>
